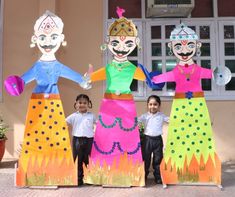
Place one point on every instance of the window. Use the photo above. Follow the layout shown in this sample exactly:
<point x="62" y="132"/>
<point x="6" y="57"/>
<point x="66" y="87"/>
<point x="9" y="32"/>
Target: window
<point x="216" y="32"/>
<point x="227" y="53"/>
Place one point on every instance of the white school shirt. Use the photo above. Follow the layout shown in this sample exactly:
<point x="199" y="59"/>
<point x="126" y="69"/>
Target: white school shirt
<point x="153" y="123"/>
<point x="82" y="124"/>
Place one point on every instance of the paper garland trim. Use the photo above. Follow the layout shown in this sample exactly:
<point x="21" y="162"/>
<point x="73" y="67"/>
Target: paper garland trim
<point x="119" y="121"/>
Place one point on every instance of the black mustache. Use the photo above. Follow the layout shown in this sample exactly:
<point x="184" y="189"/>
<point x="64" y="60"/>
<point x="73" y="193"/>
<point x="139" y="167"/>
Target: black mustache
<point x="185" y="54"/>
<point x="122" y="52"/>
<point x="48" y="46"/>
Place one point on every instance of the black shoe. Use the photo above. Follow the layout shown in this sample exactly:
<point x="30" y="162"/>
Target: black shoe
<point x="80" y="183"/>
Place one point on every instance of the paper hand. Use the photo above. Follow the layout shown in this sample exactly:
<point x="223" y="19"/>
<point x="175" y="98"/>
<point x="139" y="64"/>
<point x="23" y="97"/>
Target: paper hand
<point x="222" y="75"/>
<point x="149" y="76"/>
<point x="86" y="84"/>
<point x="14" y="85"/>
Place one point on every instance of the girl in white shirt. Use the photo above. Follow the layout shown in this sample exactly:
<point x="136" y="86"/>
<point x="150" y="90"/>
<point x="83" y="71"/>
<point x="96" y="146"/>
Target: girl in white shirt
<point x="153" y="121"/>
<point x="82" y="123"/>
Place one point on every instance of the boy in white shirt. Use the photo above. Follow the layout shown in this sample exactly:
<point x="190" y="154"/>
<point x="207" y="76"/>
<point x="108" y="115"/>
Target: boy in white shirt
<point x="153" y="121"/>
<point x="82" y="123"/>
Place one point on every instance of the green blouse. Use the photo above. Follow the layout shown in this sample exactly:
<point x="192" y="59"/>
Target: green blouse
<point x="119" y="77"/>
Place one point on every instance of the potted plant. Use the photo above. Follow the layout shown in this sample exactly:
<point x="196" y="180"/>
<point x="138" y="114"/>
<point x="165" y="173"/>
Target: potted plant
<point x="3" y="129"/>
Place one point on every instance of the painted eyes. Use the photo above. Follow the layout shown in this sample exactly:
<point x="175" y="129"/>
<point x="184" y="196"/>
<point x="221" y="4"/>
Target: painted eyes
<point x="114" y="44"/>
<point x="130" y="45"/>
<point x="54" y="36"/>
<point x="191" y="46"/>
<point x="178" y="47"/>
<point x="42" y="37"/>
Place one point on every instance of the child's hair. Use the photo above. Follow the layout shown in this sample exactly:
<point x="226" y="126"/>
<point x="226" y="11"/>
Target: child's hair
<point x="157" y="99"/>
<point x="83" y="96"/>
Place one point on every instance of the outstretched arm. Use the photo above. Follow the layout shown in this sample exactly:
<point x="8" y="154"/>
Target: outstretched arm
<point x="98" y="75"/>
<point x="206" y="73"/>
<point x="168" y="76"/>
<point x="68" y="73"/>
<point x="149" y="76"/>
<point x="139" y="75"/>
<point x="29" y="75"/>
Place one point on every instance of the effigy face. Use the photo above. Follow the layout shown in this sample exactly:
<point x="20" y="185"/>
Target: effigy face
<point x="48" y="33"/>
<point x="49" y="43"/>
<point x="122" y="46"/>
<point x="184" y="50"/>
<point x="122" y="37"/>
<point x="184" y="43"/>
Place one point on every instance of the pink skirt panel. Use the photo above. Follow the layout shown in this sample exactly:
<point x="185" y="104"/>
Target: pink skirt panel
<point x="116" y="132"/>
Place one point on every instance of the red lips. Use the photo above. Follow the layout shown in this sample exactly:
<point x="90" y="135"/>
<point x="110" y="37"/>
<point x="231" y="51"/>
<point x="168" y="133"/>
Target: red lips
<point x="184" y="57"/>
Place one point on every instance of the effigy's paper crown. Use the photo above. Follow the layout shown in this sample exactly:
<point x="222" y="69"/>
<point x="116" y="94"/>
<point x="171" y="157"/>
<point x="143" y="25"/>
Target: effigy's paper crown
<point x="122" y="27"/>
<point x="182" y="32"/>
<point x="47" y="22"/>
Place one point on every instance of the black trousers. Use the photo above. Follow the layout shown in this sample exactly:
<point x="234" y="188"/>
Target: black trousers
<point x="153" y="145"/>
<point x="81" y="150"/>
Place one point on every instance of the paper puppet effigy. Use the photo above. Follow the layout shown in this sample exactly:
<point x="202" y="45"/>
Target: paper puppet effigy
<point x="116" y="158"/>
<point x="190" y="155"/>
<point x="46" y="157"/>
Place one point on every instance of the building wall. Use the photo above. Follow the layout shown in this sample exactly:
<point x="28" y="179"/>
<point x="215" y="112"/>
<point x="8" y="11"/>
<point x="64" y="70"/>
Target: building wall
<point x="84" y="33"/>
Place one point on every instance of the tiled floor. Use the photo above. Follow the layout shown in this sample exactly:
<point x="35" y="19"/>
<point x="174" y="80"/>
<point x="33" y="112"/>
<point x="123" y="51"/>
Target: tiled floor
<point x="7" y="187"/>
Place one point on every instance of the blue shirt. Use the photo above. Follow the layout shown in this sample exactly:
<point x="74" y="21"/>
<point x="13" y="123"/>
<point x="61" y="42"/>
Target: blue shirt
<point x="47" y="73"/>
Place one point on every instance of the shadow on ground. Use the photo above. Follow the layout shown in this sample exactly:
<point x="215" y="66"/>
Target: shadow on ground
<point x="228" y="174"/>
<point x="8" y="164"/>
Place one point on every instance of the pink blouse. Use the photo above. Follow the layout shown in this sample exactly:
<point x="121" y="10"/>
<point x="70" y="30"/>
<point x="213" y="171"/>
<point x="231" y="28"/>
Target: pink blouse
<point x="187" y="79"/>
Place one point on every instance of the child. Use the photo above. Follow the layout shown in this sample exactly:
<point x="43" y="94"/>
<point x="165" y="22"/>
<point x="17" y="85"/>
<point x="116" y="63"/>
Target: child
<point x="82" y="123"/>
<point x="153" y="122"/>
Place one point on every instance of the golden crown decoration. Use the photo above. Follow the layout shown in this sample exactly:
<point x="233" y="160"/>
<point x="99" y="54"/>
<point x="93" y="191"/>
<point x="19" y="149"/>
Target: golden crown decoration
<point x="122" y="26"/>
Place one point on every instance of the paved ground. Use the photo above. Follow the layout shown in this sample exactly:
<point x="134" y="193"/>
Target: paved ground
<point x="7" y="187"/>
